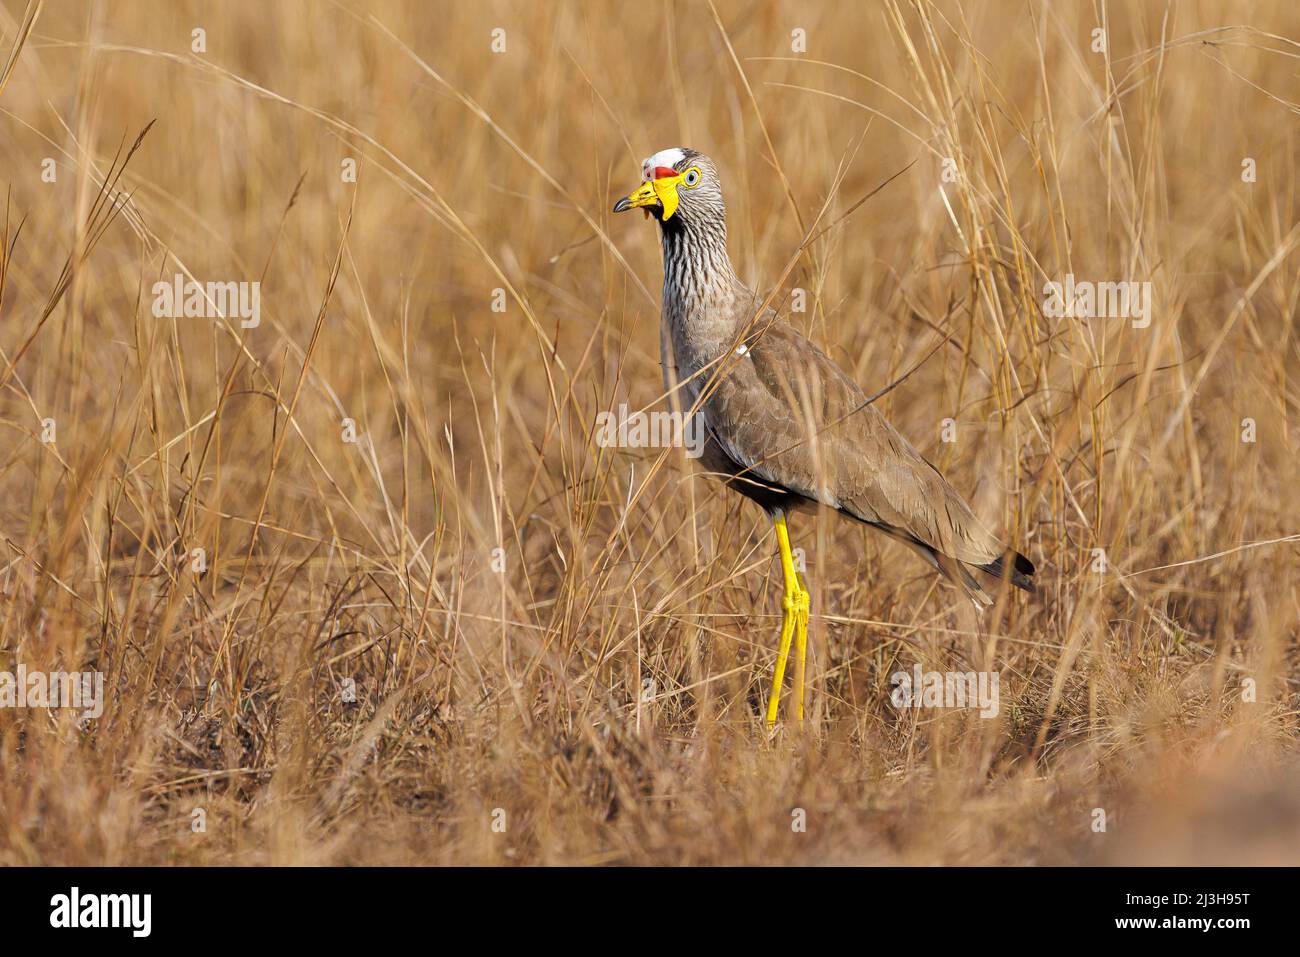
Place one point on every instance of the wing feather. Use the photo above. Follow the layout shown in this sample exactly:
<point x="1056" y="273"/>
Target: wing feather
<point x="788" y="414"/>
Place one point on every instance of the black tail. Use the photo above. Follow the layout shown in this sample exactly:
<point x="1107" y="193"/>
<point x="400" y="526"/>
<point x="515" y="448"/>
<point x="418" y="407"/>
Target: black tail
<point x="1021" y="572"/>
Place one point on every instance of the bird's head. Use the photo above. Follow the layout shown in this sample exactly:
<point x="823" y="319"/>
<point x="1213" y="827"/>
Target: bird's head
<point x="676" y="182"/>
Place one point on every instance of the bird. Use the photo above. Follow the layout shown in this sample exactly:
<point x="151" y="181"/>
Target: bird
<point x="783" y="424"/>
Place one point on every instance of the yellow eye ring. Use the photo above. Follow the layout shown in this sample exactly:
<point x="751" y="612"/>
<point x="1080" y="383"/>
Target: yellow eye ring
<point x="691" y="178"/>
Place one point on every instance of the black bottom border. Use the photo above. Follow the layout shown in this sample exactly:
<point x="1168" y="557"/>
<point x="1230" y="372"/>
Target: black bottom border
<point x="331" y="906"/>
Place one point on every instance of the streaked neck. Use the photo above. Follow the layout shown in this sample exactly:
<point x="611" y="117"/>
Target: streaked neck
<point x="702" y="295"/>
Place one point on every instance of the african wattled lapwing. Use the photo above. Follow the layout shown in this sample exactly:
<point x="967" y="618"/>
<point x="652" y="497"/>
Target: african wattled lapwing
<point x="784" y="425"/>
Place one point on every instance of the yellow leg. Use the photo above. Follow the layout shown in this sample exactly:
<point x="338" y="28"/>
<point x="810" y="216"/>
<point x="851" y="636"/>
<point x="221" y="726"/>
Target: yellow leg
<point x="778" y="676"/>
<point x="801" y="645"/>
<point x="794" y="621"/>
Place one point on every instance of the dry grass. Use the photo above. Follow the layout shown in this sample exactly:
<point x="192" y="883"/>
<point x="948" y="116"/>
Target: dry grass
<point x="604" y="691"/>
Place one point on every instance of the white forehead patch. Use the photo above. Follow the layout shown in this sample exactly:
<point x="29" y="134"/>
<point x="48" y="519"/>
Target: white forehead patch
<point x="663" y="158"/>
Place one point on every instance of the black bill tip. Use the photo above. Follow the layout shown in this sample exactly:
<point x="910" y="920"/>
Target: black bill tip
<point x="622" y="206"/>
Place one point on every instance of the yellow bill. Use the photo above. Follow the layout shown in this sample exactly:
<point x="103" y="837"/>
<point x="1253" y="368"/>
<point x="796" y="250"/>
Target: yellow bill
<point x="661" y="191"/>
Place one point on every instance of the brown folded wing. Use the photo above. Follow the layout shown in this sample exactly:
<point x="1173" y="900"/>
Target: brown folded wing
<point x="788" y="414"/>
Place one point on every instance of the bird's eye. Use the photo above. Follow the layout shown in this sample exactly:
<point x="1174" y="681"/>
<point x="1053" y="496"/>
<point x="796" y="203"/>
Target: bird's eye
<point x="692" y="178"/>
